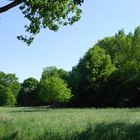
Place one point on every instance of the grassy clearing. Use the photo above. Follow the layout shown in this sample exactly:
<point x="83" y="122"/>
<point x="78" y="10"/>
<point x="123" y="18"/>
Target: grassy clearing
<point x="69" y="124"/>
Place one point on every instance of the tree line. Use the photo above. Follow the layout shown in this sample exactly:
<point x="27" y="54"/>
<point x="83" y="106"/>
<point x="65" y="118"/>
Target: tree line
<point x="108" y="75"/>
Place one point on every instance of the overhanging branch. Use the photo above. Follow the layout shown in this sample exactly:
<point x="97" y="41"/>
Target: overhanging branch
<point x="10" y="6"/>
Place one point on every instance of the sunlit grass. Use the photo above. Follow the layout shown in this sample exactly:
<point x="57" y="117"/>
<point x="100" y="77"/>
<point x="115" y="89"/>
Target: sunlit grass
<point x="69" y="124"/>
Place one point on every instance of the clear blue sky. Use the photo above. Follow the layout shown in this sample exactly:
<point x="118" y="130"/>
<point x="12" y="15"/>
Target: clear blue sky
<point x="64" y="48"/>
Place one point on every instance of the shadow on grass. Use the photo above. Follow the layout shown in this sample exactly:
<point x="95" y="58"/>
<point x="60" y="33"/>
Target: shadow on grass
<point x="103" y="131"/>
<point x="32" y="109"/>
<point x="112" y="131"/>
<point x="11" y="136"/>
<point x="38" y="109"/>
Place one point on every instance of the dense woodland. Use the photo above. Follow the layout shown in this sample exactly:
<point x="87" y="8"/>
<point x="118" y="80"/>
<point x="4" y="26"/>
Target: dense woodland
<point x="108" y="75"/>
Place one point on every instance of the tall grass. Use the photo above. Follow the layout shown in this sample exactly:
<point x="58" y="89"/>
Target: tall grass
<point x="69" y="124"/>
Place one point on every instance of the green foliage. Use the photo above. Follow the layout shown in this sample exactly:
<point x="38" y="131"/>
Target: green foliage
<point x="10" y="81"/>
<point x="109" y="73"/>
<point x="49" y="71"/>
<point x="91" y="76"/>
<point x="28" y="95"/>
<point x="96" y="65"/>
<point x="53" y="71"/>
<point x="54" y="90"/>
<point x="124" y="51"/>
<point x="9" y="88"/>
<point x="7" y="98"/>
<point x="48" y="14"/>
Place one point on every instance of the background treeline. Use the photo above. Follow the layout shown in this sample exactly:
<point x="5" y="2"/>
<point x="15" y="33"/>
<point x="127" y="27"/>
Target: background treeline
<point x="108" y="75"/>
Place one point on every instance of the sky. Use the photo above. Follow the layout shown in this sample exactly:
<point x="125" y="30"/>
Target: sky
<point x="64" y="48"/>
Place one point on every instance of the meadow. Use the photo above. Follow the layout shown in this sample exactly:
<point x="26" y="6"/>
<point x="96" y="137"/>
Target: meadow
<point x="42" y="123"/>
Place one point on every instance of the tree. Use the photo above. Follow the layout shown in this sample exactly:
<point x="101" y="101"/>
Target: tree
<point x="53" y="71"/>
<point x="45" y="14"/>
<point x="124" y="51"/>
<point x="9" y="88"/>
<point x="92" y="74"/>
<point x="6" y="97"/>
<point x="28" y="95"/>
<point x="118" y="47"/>
<point x="54" y="90"/>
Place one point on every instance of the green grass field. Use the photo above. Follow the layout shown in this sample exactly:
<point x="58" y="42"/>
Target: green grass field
<point x="20" y="123"/>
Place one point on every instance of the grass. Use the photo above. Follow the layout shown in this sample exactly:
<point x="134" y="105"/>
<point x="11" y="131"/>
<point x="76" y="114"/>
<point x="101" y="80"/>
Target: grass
<point x="19" y="123"/>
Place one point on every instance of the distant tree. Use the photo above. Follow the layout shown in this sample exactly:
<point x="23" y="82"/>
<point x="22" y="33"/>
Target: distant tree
<point x="49" y="71"/>
<point x="28" y="95"/>
<point x="53" y="71"/>
<point x="54" y="90"/>
<point x="63" y="74"/>
<point x="6" y="97"/>
<point x="45" y="14"/>
<point x="73" y="79"/>
<point x="10" y="81"/>
<point x="9" y="88"/>
<point x="118" y="47"/>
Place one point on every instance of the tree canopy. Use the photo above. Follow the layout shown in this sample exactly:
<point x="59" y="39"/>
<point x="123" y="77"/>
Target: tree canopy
<point x="28" y="94"/>
<point x="53" y="88"/>
<point x="45" y="14"/>
<point x="9" y="88"/>
<point x="53" y="71"/>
